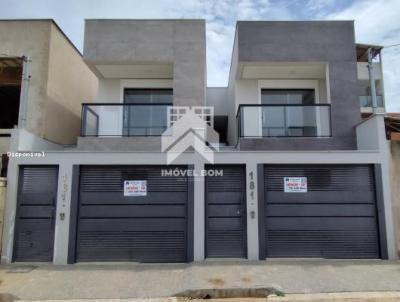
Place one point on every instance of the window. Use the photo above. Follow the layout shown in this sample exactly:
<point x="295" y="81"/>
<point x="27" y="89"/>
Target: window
<point x="288" y="96"/>
<point x="147" y="113"/>
<point x="291" y="118"/>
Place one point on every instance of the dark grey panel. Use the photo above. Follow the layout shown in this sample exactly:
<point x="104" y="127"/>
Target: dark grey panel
<point x="224" y="197"/>
<point x="323" y="196"/>
<point x="335" y="218"/>
<point x="102" y="197"/>
<point x="132" y="211"/>
<point x="320" y="210"/>
<point x="34" y="227"/>
<point x="114" y="227"/>
<point x="226" y="213"/>
<point x="333" y="244"/>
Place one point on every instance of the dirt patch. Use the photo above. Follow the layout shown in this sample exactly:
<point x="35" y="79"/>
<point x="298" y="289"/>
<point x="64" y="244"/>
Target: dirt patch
<point x="4" y="297"/>
<point x="216" y="281"/>
<point x="246" y="279"/>
<point x="222" y="293"/>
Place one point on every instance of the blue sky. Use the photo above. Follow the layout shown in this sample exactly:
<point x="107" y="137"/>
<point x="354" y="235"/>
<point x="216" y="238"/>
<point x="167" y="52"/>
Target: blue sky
<point x="376" y="22"/>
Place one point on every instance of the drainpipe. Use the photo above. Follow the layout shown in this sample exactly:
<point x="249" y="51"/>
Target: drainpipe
<point x="372" y="81"/>
<point x="23" y="100"/>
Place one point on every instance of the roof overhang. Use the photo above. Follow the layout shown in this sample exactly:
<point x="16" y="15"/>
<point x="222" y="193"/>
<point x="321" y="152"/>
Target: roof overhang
<point x="132" y="70"/>
<point x="281" y="70"/>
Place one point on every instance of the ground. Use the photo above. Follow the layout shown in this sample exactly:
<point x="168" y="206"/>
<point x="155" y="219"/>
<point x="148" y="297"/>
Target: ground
<point x="133" y="280"/>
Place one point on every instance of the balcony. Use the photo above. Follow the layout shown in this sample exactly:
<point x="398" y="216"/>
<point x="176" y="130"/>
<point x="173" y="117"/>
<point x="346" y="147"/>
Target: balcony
<point x="123" y="119"/>
<point x="294" y="120"/>
<point x="366" y="101"/>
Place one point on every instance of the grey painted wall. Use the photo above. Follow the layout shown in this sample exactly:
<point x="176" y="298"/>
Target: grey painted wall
<point x="308" y="41"/>
<point x="181" y="42"/>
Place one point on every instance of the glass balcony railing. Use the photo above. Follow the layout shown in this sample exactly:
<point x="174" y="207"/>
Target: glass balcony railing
<point x="116" y="119"/>
<point x="366" y="101"/>
<point x="284" y="120"/>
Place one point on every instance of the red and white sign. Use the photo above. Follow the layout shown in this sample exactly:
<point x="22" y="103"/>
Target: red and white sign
<point x="295" y="184"/>
<point x="135" y="187"/>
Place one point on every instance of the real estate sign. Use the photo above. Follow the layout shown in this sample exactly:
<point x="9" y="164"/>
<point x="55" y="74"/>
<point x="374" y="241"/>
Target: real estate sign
<point x="295" y="184"/>
<point x="135" y="187"/>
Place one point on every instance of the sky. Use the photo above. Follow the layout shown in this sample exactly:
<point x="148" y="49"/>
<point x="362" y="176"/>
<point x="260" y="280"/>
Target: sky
<point x="376" y="22"/>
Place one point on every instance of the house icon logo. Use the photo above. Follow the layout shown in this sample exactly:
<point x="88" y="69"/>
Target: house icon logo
<point x="190" y="129"/>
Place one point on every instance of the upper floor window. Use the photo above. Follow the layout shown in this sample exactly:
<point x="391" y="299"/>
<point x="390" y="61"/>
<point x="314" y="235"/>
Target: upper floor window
<point x="146" y="114"/>
<point x="288" y="96"/>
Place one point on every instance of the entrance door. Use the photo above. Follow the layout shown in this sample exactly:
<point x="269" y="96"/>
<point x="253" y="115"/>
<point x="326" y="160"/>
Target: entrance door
<point x="34" y="226"/>
<point x="226" y="213"/>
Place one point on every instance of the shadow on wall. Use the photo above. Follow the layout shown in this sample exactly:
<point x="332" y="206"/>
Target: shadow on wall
<point x="62" y="125"/>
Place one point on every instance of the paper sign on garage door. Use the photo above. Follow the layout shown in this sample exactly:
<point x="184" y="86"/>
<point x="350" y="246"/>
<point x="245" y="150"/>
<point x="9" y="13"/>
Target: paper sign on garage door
<point x="295" y="184"/>
<point x="135" y="188"/>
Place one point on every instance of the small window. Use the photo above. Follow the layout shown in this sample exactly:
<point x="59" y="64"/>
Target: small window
<point x="288" y="96"/>
<point x="148" y="96"/>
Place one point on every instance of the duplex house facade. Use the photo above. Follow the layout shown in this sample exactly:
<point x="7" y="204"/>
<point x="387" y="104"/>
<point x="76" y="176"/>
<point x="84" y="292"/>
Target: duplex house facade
<point x="296" y="173"/>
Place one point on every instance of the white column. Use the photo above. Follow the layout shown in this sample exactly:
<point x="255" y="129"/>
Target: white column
<point x="199" y="212"/>
<point x="61" y="235"/>
<point x="10" y="211"/>
<point x="252" y="211"/>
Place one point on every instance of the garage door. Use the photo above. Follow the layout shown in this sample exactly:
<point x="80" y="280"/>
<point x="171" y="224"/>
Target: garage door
<point x="226" y="212"/>
<point x="334" y="217"/>
<point x="115" y="227"/>
<point x="34" y="223"/>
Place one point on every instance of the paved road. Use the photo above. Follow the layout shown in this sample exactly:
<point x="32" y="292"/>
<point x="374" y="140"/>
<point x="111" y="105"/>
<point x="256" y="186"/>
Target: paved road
<point x="91" y="281"/>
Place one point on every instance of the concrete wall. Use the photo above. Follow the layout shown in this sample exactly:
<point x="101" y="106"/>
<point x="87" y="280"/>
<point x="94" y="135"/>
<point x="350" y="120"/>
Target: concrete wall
<point x="331" y="42"/>
<point x="180" y="42"/>
<point x="25" y="141"/>
<point x="395" y="181"/>
<point x="70" y="82"/>
<point x="59" y="79"/>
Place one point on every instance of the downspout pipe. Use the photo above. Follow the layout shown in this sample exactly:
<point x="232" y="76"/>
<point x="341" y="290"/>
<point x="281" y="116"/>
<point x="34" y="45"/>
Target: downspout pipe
<point x="372" y="81"/>
<point x="23" y="100"/>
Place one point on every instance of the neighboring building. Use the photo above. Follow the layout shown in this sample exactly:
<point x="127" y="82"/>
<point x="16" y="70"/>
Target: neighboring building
<point x="289" y="120"/>
<point x="364" y="83"/>
<point x="43" y="81"/>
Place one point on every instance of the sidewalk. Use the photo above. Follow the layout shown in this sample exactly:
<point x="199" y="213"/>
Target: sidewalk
<point x="131" y="280"/>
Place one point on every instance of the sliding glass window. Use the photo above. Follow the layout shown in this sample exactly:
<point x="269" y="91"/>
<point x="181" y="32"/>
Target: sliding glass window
<point x="146" y="114"/>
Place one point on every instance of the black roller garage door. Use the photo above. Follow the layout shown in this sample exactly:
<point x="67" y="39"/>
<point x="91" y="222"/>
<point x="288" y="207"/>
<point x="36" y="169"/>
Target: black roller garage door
<point x="34" y="223"/>
<point x="112" y="226"/>
<point x="333" y="216"/>
<point x="226" y="212"/>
